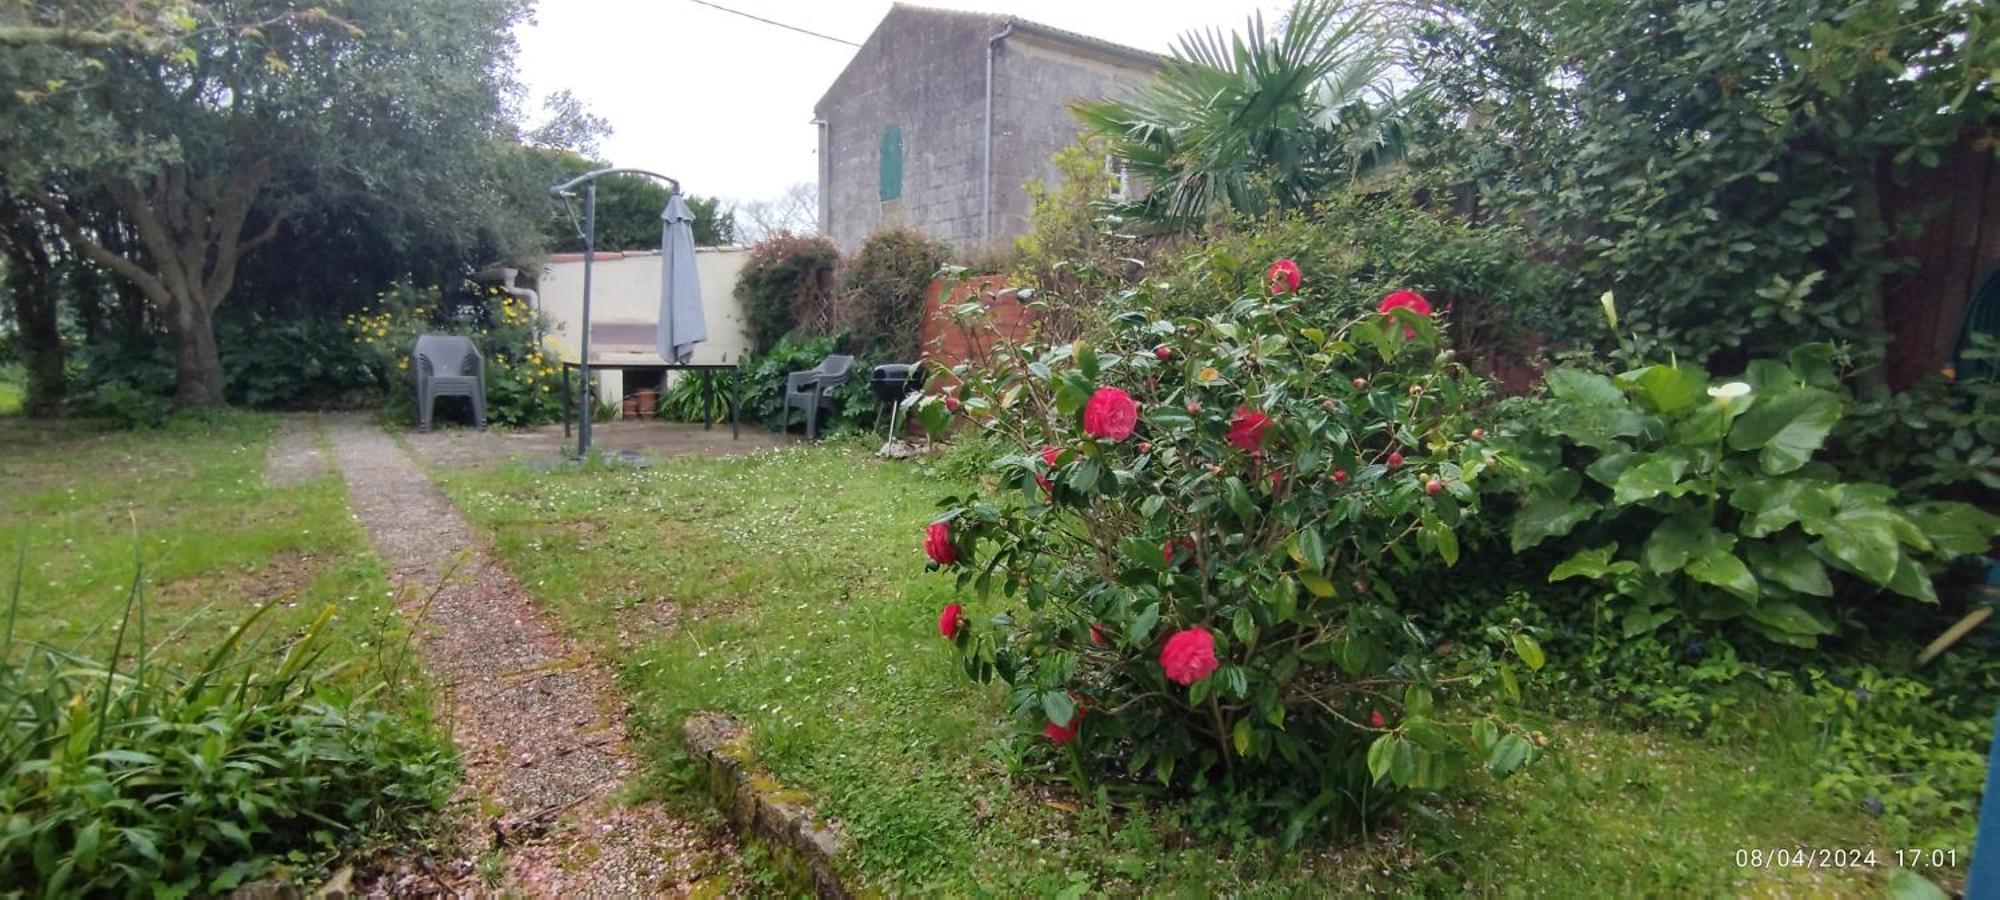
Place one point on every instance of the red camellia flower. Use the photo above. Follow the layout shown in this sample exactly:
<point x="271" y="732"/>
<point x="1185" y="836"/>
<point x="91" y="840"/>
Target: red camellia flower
<point x="1049" y="456"/>
<point x="1110" y="414"/>
<point x="1097" y="634"/>
<point x="1246" y="429"/>
<point x="1375" y="718"/>
<point x="1410" y="300"/>
<point x="1188" y="656"/>
<point x="937" y="543"/>
<point x="1282" y="276"/>
<point x="949" y="619"/>
<point x="1063" y="734"/>
<point x="1340" y="476"/>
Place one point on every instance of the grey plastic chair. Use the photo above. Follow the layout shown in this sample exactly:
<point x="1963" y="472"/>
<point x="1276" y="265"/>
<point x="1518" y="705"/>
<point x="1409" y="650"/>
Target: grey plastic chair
<point x="448" y="365"/>
<point x="812" y="391"/>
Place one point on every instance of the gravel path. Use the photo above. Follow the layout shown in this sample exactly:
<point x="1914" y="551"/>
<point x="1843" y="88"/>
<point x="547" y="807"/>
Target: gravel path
<point x="295" y="456"/>
<point x="540" y="728"/>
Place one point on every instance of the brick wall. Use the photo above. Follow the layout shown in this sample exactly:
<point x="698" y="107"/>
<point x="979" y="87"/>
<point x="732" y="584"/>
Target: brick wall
<point x="946" y="343"/>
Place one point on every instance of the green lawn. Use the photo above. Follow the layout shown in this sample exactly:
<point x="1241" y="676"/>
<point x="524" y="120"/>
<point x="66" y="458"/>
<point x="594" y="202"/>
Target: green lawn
<point x="188" y="504"/>
<point x="793" y="581"/>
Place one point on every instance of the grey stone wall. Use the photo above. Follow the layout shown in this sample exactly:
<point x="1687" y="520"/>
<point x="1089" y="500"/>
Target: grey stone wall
<point x="925" y="71"/>
<point x="1034" y="84"/>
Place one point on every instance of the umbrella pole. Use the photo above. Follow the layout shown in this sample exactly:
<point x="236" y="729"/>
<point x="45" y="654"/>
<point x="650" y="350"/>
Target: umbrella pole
<point x="586" y="398"/>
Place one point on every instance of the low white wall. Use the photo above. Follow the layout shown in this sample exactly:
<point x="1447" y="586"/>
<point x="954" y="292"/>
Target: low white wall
<point x="625" y="291"/>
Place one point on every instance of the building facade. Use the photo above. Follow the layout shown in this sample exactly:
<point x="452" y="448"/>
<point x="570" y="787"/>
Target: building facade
<point x="943" y="116"/>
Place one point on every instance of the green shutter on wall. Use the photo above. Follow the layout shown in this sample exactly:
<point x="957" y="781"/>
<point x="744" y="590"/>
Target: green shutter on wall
<point x="892" y="162"/>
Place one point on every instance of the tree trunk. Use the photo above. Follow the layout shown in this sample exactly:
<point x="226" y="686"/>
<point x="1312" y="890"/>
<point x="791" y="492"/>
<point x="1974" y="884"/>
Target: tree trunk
<point x="31" y="279"/>
<point x="200" y="364"/>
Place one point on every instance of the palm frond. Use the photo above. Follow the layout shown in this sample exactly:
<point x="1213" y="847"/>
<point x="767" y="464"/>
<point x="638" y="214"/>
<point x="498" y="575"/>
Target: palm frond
<point x="1241" y="123"/>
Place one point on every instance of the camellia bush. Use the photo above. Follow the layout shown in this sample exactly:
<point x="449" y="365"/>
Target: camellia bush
<point x="1191" y="570"/>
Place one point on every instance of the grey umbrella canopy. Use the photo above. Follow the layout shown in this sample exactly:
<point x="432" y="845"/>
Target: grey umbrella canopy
<point x="681" y="322"/>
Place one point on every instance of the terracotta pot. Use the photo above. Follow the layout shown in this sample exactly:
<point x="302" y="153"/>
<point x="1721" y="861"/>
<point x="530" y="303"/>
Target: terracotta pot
<point x="648" y="401"/>
<point x="631" y="408"/>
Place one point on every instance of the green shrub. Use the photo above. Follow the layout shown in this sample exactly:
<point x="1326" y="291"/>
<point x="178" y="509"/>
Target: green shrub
<point x="787" y="284"/>
<point x="1699" y="499"/>
<point x="309" y="363"/>
<point x="1638" y="142"/>
<point x="1360" y="248"/>
<point x="883" y="290"/>
<point x="1265" y="480"/>
<point x="140" y="777"/>
<point x="523" y="377"/>
<point x="1907" y="748"/>
<point x="1073" y="252"/>
<point x="1938" y="439"/>
<point x="129" y="382"/>
<point x="763" y="384"/>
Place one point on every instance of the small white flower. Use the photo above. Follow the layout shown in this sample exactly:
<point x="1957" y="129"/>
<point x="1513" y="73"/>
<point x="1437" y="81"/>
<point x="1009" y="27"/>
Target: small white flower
<point x="1729" y="391"/>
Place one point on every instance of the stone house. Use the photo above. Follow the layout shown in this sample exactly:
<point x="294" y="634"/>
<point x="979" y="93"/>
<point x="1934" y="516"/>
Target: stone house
<point x="942" y="116"/>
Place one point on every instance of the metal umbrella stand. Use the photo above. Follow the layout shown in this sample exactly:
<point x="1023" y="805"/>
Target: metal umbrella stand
<point x="588" y="233"/>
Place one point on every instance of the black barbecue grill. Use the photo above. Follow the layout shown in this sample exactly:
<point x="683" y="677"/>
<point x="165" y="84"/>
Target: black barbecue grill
<point x="891" y="383"/>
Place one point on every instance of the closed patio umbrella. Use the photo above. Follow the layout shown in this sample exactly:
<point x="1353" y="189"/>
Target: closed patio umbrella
<point x="681" y="323"/>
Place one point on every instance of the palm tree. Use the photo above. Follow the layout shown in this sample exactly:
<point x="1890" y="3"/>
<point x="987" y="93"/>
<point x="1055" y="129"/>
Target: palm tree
<point x="1252" y="122"/>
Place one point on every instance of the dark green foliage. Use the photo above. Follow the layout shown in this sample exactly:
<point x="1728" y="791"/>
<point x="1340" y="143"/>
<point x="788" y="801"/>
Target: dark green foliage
<point x="1355" y="250"/>
<point x="523" y="378"/>
<point x="788" y="283"/>
<point x="126" y="381"/>
<point x="1699" y="500"/>
<point x="883" y="290"/>
<point x="130" y="776"/>
<point x="1718" y="164"/>
<point x="301" y="363"/>
<point x="1939" y="439"/>
<point x="203" y="154"/>
<point x="764" y="387"/>
<point x="628" y="210"/>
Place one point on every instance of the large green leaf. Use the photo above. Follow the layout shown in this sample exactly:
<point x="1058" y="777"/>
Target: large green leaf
<point x="1667" y="389"/>
<point x="1548" y="515"/>
<point x="1719" y="567"/>
<point x="1593" y="563"/>
<point x="1788" y="427"/>
<point x="1790" y="617"/>
<point x="1768" y="501"/>
<point x="1677" y="539"/>
<point x="1656" y="475"/>
<point x="1593" y="411"/>
<point x="1789" y="562"/>
<point x="1912" y="581"/>
<point x="1867" y="544"/>
<point x="1955" y="529"/>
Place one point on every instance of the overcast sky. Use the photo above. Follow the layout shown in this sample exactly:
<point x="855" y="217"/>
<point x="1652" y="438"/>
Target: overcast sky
<point x="724" y="103"/>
